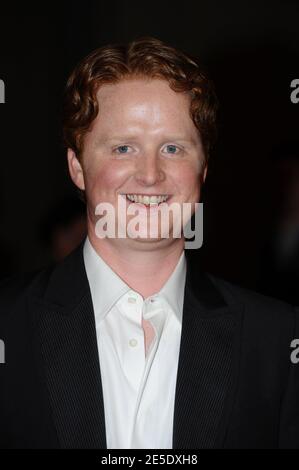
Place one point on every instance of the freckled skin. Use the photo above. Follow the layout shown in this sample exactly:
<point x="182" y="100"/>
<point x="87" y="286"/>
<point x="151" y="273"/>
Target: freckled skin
<point x="142" y="141"/>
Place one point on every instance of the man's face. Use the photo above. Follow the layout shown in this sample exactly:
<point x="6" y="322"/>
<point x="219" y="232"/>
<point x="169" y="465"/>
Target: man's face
<point x="143" y="142"/>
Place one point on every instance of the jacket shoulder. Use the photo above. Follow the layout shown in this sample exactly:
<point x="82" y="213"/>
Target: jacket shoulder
<point x="15" y="289"/>
<point x="257" y="306"/>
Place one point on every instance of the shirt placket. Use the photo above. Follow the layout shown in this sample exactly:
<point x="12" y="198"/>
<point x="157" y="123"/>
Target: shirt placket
<point x="134" y="357"/>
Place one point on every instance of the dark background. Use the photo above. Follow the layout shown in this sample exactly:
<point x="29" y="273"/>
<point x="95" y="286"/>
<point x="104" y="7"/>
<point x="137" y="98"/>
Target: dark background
<point x="251" y="50"/>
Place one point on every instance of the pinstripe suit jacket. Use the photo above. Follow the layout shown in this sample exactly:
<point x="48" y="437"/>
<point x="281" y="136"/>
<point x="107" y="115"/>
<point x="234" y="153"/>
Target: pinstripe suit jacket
<point x="236" y="386"/>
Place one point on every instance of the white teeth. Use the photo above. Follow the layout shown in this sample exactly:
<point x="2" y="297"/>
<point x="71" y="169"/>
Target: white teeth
<point x="148" y="200"/>
<point x="143" y="199"/>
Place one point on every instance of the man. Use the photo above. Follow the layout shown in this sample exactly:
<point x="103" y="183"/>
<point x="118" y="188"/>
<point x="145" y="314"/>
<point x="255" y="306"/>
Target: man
<point x="126" y="344"/>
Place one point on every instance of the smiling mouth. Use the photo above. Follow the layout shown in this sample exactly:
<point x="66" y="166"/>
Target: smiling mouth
<point x="147" y="200"/>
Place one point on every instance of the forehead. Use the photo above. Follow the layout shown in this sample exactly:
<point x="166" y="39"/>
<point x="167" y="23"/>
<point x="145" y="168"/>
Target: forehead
<point x="138" y="88"/>
<point x="142" y="102"/>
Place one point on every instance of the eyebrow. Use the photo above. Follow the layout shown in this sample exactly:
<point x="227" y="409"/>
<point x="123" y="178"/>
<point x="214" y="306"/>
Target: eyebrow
<point x="116" y="138"/>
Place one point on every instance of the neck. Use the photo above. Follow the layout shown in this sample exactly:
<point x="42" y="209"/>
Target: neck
<point x="144" y="266"/>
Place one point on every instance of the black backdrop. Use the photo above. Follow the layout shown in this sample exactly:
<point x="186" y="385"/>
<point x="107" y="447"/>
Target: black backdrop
<point x="251" y="49"/>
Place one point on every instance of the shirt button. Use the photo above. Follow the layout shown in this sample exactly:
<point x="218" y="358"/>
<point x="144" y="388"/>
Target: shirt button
<point x="131" y="300"/>
<point x="133" y="342"/>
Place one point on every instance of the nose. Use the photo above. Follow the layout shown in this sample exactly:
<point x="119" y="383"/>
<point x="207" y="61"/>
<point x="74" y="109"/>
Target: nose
<point x="149" y="171"/>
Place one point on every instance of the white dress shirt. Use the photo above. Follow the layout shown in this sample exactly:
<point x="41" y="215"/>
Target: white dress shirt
<point x="138" y="388"/>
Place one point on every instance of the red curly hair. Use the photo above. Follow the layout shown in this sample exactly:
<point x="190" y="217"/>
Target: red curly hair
<point x="146" y="57"/>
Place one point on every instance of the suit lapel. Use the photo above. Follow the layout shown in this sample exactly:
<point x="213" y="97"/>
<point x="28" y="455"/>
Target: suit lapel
<point x="69" y="349"/>
<point x="208" y="363"/>
<point x="206" y="371"/>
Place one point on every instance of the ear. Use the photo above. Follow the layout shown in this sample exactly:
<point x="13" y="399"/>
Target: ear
<point x="205" y="173"/>
<point x="75" y="169"/>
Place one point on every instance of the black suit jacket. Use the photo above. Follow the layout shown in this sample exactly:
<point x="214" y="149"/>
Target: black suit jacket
<point x="236" y="386"/>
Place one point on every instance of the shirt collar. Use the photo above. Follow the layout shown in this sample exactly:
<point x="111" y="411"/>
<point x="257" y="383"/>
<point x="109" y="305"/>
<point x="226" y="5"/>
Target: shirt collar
<point x="174" y="288"/>
<point x="107" y="287"/>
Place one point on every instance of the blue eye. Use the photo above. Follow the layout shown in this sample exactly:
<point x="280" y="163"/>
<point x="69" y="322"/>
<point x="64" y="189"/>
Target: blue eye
<point x="122" y="148"/>
<point x="171" y="148"/>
